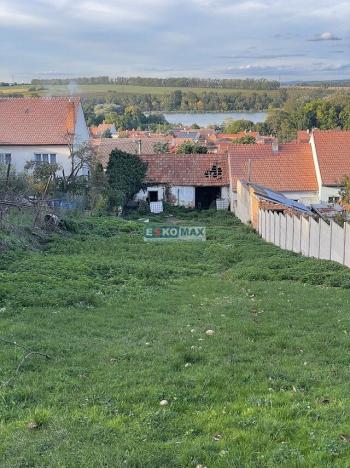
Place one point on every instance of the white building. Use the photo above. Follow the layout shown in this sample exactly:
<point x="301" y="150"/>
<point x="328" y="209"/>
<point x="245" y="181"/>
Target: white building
<point x="41" y="129"/>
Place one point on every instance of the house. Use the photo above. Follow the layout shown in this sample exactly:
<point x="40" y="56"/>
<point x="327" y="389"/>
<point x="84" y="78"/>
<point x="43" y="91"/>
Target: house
<point x="331" y="153"/>
<point x="100" y="130"/>
<point x="287" y="168"/>
<point x="41" y="129"/>
<point x="189" y="180"/>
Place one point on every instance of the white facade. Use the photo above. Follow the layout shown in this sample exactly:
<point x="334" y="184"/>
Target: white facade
<point x="20" y="155"/>
<point x="325" y="193"/>
<point x="177" y="195"/>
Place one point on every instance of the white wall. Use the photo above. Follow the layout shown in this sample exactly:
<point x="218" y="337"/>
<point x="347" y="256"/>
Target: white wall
<point x="184" y="196"/>
<point x="143" y="194"/>
<point x="303" y="197"/>
<point x="327" y="192"/>
<point x="21" y="154"/>
<point x="81" y="129"/>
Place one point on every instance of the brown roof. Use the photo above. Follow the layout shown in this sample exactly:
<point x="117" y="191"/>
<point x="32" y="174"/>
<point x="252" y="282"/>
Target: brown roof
<point x="188" y="169"/>
<point x="37" y="121"/>
<point x="291" y="169"/>
<point x="333" y="152"/>
<point x="178" y="169"/>
<point x="129" y="145"/>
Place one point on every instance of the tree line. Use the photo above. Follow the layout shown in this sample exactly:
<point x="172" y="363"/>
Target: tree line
<point x="189" y="101"/>
<point x="300" y="114"/>
<point x="181" y="82"/>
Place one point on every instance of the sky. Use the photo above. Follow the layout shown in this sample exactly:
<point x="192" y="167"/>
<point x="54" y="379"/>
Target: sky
<point x="275" y="39"/>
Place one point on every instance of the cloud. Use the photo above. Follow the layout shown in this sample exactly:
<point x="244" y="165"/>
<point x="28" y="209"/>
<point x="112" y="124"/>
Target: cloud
<point x="10" y="17"/>
<point x="170" y="37"/>
<point x="326" y="36"/>
<point x="261" y="56"/>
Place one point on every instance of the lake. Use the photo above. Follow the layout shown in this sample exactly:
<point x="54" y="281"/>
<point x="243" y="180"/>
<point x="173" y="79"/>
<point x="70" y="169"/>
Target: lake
<point x="204" y="119"/>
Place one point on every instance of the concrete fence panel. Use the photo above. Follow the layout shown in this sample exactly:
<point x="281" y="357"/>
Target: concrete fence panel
<point x="263" y="224"/>
<point x="277" y="228"/>
<point x="325" y="240"/>
<point x="283" y="233"/>
<point x="289" y="232"/>
<point x="314" y="246"/>
<point x="337" y="243"/>
<point x="260" y="223"/>
<point x="296" y="234"/>
<point x="347" y="244"/>
<point x="305" y="236"/>
<point x="272" y="227"/>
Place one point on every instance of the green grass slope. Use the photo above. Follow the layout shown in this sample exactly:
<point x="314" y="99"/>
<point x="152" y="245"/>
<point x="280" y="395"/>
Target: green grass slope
<point x="124" y="324"/>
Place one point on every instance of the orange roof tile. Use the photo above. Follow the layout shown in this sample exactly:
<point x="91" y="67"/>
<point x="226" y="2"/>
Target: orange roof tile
<point x="333" y="152"/>
<point x="37" y="121"/>
<point x="291" y="169"/>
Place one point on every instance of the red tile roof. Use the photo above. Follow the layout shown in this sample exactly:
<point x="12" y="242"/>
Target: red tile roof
<point x="333" y="152"/>
<point x="303" y="136"/>
<point x="96" y="132"/>
<point x="37" y="121"/>
<point x="291" y="169"/>
<point x="188" y="169"/>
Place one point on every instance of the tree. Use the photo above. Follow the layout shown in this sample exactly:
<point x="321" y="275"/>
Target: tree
<point x="161" y="147"/>
<point x="125" y="177"/>
<point x="237" y="126"/>
<point x="82" y="157"/>
<point x="344" y="191"/>
<point x="191" y="148"/>
<point x="107" y="133"/>
<point x="42" y="177"/>
<point x="245" y="140"/>
<point x="97" y="188"/>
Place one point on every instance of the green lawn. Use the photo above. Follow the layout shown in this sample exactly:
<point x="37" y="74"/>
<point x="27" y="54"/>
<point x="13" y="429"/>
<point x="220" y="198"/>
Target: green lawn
<point x="124" y="323"/>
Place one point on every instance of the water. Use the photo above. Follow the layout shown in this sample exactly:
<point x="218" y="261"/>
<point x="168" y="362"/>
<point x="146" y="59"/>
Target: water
<point x="212" y="118"/>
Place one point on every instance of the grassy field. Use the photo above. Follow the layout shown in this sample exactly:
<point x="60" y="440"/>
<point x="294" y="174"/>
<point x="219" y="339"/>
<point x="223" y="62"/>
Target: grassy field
<point x="100" y="90"/>
<point x="124" y="325"/>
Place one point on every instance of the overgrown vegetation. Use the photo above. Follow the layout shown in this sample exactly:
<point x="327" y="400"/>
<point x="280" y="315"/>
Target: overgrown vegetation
<point x="124" y="324"/>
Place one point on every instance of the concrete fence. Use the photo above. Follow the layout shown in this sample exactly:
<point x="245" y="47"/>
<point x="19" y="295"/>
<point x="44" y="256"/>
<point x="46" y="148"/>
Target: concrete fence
<point x="306" y="236"/>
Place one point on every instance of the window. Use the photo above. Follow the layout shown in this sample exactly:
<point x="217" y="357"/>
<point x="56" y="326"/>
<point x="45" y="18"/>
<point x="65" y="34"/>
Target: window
<point x="5" y="158"/>
<point x="45" y="158"/>
<point x="333" y="199"/>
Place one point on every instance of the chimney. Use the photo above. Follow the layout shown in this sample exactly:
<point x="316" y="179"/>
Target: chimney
<point x="70" y="122"/>
<point x="139" y="146"/>
<point x="275" y="146"/>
